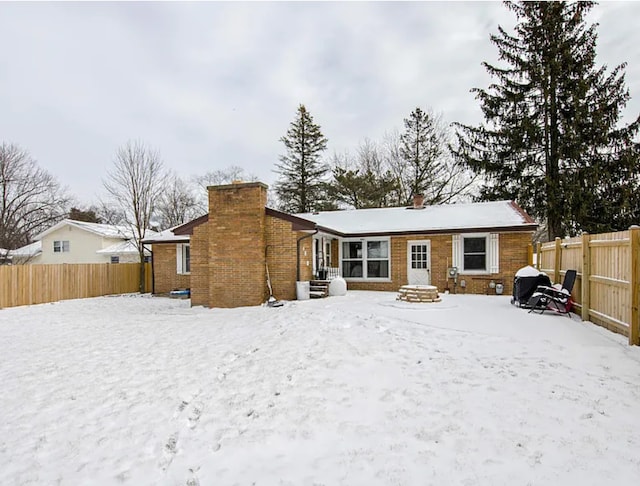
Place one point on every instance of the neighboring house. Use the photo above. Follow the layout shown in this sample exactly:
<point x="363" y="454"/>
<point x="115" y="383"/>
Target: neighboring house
<point x="373" y="249"/>
<point x="171" y="257"/>
<point x="71" y="241"/>
<point x="5" y="258"/>
<point x="26" y="254"/>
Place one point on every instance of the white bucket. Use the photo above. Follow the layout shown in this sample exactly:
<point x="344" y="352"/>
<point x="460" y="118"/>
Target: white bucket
<point x="302" y="290"/>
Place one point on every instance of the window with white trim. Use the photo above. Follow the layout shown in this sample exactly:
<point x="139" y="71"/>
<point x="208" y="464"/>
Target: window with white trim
<point x="366" y="258"/>
<point x="61" y="246"/>
<point x="183" y="258"/>
<point x="476" y="253"/>
<point x="115" y="259"/>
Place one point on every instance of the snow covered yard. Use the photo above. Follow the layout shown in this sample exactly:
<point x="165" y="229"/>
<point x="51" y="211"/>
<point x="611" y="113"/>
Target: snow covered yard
<point x="354" y="390"/>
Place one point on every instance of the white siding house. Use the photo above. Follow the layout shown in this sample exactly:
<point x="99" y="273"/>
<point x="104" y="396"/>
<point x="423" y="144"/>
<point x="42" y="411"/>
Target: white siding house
<point x="72" y="241"/>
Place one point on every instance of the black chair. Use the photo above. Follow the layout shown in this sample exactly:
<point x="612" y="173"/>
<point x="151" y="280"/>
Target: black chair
<point x="553" y="298"/>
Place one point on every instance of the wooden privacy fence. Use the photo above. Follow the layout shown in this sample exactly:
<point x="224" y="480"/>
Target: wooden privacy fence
<point x="607" y="289"/>
<point x="39" y="284"/>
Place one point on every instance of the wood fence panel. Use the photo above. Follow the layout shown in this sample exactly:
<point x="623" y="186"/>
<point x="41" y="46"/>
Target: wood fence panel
<point x="634" y="325"/>
<point x="39" y="284"/>
<point x="610" y="281"/>
<point x="608" y="276"/>
<point x="546" y="258"/>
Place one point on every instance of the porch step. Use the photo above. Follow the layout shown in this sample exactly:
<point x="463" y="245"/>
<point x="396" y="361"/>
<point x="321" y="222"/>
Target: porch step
<point x="318" y="289"/>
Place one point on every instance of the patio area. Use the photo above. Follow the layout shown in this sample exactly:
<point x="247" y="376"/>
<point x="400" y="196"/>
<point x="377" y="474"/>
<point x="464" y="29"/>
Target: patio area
<point x="360" y="389"/>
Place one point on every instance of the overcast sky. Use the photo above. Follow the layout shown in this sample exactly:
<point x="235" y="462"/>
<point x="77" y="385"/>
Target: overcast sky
<point x="216" y="84"/>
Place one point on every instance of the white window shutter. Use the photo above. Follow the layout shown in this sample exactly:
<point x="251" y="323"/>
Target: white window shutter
<point x="494" y="253"/>
<point x="179" y="258"/>
<point x="457" y="252"/>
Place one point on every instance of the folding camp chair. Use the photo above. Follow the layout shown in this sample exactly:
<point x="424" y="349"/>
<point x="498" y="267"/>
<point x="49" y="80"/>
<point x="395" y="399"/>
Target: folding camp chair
<point x="556" y="299"/>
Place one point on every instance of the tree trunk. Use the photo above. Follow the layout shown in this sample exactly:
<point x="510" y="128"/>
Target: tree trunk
<point x="142" y="272"/>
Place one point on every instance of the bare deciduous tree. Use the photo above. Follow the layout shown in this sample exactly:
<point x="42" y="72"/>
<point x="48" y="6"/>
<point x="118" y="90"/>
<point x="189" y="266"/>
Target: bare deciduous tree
<point x="219" y="177"/>
<point x="178" y="203"/>
<point x="134" y="186"/>
<point x="31" y="199"/>
<point x="224" y="176"/>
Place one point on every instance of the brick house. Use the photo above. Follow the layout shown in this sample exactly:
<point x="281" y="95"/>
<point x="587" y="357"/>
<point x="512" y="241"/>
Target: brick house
<point x="373" y="249"/>
<point x="171" y="256"/>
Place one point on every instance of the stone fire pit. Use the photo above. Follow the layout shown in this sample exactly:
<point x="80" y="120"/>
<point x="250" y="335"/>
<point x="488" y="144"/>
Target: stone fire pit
<point x="418" y="293"/>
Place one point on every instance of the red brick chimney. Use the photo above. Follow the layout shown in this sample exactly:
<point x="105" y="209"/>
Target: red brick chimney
<point x="418" y="201"/>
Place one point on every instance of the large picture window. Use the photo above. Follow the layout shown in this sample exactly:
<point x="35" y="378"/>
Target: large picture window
<point x="367" y="258"/>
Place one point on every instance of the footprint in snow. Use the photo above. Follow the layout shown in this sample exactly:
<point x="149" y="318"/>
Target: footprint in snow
<point x="169" y="451"/>
<point x="185" y="402"/>
<point x="193" y="480"/>
<point x="195" y="414"/>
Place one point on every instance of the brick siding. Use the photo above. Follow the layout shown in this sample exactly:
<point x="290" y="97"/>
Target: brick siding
<point x="513" y="256"/>
<point x="165" y="278"/>
<point x="282" y="250"/>
<point x="200" y="265"/>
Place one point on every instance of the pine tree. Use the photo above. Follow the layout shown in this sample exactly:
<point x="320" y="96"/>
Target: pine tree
<point x="301" y="187"/>
<point x="422" y="163"/>
<point x="551" y="139"/>
<point x="88" y="215"/>
<point x="361" y="188"/>
<point x="363" y="180"/>
<point x="421" y="149"/>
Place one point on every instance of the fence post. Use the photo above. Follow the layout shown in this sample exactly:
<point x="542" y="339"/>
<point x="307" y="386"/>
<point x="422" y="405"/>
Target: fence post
<point x="539" y="255"/>
<point x="586" y="272"/>
<point x="530" y="254"/>
<point x="558" y="261"/>
<point x="634" y="325"/>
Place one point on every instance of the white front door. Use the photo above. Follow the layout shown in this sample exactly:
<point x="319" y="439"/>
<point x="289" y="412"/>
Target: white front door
<point x="419" y="262"/>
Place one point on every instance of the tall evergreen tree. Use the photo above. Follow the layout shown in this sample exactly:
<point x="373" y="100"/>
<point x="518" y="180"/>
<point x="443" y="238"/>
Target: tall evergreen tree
<point x="421" y="149"/>
<point x="551" y="139"/>
<point x="301" y="187"/>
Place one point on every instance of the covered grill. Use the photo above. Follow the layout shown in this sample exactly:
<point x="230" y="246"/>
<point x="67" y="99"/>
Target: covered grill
<point x="526" y="281"/>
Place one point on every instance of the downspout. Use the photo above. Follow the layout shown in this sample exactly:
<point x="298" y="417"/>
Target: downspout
<point x="298" y="252"/>
<point x="153" y="273"/>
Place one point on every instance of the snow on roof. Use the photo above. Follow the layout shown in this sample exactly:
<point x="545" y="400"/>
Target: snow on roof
<point x="121" y="248"/>
<point x="105" y="230"/>
<point x="166" y="236"/>
<point x="29" y="250"/>
<point x="494" y="214"/>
